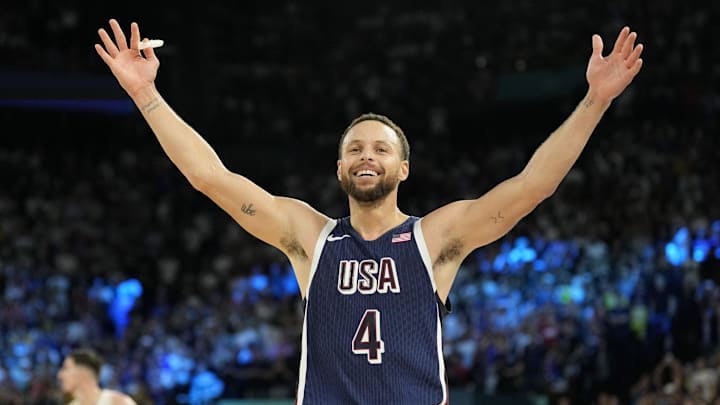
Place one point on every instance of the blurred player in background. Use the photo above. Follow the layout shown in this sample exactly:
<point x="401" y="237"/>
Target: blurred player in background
<point x="80" y="377"/>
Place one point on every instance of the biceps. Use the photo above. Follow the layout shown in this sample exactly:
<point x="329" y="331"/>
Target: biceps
<point x="253" y="208"/>
<point x="491" y="216"/>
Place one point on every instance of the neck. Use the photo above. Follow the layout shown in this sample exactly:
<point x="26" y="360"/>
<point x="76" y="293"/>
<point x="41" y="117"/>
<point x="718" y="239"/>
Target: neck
<point x="87" y="393"/>
<point x="373" y="219"/>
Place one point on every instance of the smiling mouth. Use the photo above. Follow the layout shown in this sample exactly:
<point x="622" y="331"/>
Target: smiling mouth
<point x="366" y="173"/>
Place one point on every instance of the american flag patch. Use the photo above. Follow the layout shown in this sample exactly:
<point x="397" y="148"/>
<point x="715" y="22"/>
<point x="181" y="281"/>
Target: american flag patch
<point x="401" y="237"/>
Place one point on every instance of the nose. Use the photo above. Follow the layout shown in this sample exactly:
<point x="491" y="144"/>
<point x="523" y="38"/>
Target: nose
<point x="366" y="155"/>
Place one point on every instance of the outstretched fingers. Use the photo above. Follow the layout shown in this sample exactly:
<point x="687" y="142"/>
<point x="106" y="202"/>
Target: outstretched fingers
<point x="597" y="46"/>
<point x="107" y="58"/>
<point x="134" y="36"/>
<point x="620" y="41"/>
<point x="148" y="52"/>
<point x="636" y="66"/>
<point x="628" y="52"/>
<point x="628" y="45"/>
<point x="119" y="35"/>
<point x="634" y="56"/>
<point x="109" y="44"/>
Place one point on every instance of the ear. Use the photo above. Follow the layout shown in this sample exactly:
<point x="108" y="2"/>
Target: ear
<point x="338" y="170"/>
<point x="404" y="170"/>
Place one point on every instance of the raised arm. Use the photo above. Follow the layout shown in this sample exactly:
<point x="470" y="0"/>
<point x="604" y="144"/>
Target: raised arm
<point x="288" y="224"/>
<point x="453" y="231"/>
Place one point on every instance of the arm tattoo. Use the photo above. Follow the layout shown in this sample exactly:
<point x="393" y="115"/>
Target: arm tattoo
<point x="248" y="209"/>
<point x="147" y="108"/>
<point x="587" y="103"/>
<point x="498" y="218"/>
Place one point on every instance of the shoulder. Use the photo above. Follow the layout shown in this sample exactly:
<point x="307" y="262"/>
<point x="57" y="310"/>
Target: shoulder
<point x="302" y="215"/>
<point x="442" y="224"/>
<point x="112" y="397"/>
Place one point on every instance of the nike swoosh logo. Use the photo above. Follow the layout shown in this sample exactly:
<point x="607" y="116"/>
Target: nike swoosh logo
<point x="335" y="238"/>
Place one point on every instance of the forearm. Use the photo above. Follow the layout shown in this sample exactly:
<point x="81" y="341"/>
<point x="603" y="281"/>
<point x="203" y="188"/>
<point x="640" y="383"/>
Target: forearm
<point x="192" y="155"/>
<point x="553" y="159"/>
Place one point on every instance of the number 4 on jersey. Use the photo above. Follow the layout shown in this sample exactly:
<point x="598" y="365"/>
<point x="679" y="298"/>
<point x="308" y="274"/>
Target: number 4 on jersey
<point x="367" y="337"/>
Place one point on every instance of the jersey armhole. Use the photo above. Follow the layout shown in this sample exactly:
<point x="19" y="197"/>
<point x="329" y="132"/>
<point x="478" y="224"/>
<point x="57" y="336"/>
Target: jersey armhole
<point x="319" y="246"/>
<point x="445" y="307"/>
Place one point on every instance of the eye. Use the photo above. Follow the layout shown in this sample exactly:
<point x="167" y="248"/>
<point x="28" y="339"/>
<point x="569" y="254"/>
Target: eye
<point x="381" y="150"/>
<point x="354" y="149"/>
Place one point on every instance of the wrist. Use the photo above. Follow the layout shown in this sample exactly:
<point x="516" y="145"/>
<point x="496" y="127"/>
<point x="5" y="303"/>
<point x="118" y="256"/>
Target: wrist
<point x="592" y="98"/>
<point x="144" y="95"/>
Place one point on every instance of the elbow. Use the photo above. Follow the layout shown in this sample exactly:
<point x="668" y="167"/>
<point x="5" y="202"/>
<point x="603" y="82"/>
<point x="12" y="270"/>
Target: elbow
<point x="203" y="180"/>
<point x="537" y="190"/>
<point x="544" y="192"/>
<point x="199" y="183"/>
<point x="536" y="197"/>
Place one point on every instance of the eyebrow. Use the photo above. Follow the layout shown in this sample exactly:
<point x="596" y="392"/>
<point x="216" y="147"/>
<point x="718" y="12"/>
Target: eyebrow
<point x="351" y="142"/>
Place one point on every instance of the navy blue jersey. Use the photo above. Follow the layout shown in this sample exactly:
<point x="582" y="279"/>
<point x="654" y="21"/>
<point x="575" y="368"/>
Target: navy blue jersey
<point x="372" y="330"/>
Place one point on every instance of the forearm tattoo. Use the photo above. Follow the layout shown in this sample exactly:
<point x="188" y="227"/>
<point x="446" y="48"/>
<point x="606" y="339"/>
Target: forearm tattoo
<point x="587" y="103"/>
<point x="498" y="218"/>
<point x="248" y="209"/>
<point x="147" y="108"/>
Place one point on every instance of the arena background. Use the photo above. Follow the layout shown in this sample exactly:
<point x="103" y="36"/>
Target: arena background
<point x="607" y="292"/>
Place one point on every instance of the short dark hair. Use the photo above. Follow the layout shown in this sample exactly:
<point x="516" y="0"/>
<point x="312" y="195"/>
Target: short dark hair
<point x="87" y="358"/>
<point x="405" y="145"/>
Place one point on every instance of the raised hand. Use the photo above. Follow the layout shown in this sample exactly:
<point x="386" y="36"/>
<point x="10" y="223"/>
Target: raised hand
<point x="608" y="76"/>
<point x="132" y="70"/>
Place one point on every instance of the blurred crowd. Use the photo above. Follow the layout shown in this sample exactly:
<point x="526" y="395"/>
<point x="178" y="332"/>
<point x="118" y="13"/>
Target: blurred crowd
<point x="608" y="292"/>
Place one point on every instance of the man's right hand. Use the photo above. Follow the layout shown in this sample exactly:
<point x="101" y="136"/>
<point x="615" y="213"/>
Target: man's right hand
<point x="133" y="71"/>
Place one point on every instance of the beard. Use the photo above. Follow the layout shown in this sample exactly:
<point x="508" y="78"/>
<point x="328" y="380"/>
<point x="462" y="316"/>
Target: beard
<point x="375" y="193"/>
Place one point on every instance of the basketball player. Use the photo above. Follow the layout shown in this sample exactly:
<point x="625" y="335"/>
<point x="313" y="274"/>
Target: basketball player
<point x="80" y="375"/>
<point x="374" y="283"/>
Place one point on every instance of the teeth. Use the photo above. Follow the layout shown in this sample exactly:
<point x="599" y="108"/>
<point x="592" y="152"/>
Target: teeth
<point x="366" y="171"/>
